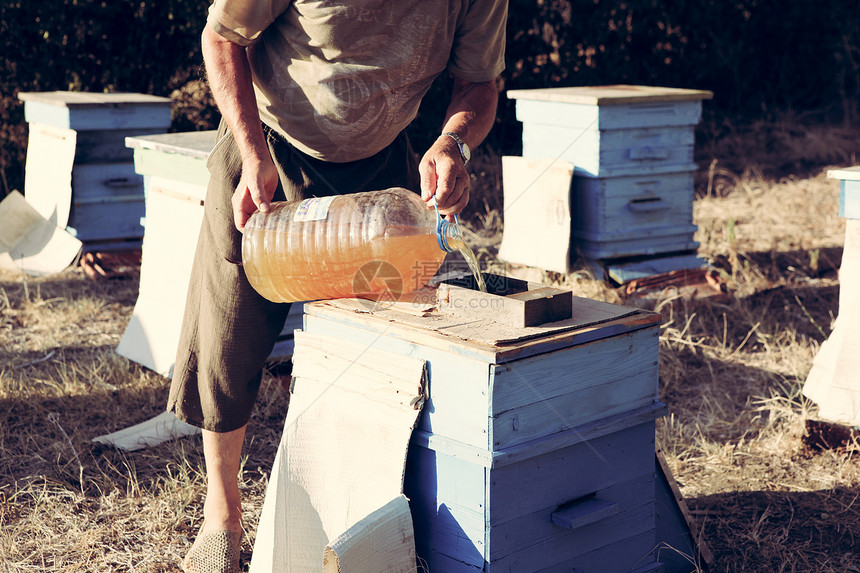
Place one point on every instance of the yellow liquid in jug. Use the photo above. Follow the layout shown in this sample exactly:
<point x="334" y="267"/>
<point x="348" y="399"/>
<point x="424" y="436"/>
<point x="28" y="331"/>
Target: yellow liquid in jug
<point x="383" y="268"/>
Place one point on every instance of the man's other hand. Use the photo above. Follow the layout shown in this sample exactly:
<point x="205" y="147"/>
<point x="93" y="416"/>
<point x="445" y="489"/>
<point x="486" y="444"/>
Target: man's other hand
<point x="255" y="191"/>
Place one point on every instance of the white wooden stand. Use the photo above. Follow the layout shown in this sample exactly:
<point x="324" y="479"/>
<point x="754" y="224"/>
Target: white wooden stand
<point x="173" y="167"/>
<point x="834" y="380"/>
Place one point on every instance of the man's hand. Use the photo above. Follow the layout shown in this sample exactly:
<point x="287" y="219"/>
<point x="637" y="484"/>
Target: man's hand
<point x="443" y="173"/>
<point x="256" y="188"/>
<point x="444" y="176"/>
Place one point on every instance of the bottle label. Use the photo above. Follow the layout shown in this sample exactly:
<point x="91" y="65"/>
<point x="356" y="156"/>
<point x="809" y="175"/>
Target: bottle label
<point x="313" y="209"/>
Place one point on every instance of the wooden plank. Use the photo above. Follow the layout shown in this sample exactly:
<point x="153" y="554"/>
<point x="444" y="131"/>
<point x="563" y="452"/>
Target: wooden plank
<point x="578" y="435"/>
<point x="582" y="512"/>
<point x="107" y="146"/>
<point x="196" y="144"/>
<point x="617" y="208"/>
<point x="546" y="444"/>
<point x="623" y="273"/>
<point x="654" y="242"/>
<point x="544" y="395"/>
<point x="162" y="428"/>
<point x="447" y="496"/>
<point x="436" y="561"/>
<point x="75" y="100"/>
<point x="176" y="167"/>
<point x="681" y="542"/>
<point x="537" y="212"/>
<point x="546" y="376"/>
<point x="487" y="340"/>
<point x="177" y="157"/>
<point x="105" y="181"/>
<point x="610" y="94"/>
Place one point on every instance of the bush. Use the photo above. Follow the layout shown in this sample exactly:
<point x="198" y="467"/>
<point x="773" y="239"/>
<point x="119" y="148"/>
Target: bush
<point x="757" y="57"/>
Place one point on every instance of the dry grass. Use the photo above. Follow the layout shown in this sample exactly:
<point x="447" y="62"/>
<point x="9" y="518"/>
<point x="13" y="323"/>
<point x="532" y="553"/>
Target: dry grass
<point x="731" y="373"/>
<point x="72" y="505"/>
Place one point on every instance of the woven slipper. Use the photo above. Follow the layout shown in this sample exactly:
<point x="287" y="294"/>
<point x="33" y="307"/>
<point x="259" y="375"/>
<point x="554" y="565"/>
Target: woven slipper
<point x="215" y="552"/>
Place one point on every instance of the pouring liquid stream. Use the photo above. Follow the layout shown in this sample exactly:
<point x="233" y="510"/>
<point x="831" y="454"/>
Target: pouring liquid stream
<point x="460" y="245"/>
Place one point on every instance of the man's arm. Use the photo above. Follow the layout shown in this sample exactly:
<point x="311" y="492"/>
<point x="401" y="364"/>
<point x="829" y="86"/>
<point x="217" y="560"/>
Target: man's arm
<point x="229" y="75"/>
<point x="470" y="115"/>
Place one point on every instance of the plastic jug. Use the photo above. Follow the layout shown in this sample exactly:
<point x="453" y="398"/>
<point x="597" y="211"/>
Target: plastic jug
<point x="376" y="245"/>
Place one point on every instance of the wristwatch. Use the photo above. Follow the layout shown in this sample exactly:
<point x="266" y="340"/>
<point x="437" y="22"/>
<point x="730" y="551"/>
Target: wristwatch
<point x="465" y="152"/>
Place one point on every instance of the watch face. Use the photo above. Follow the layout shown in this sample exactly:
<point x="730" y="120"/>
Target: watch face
<point x="467" y="153"/>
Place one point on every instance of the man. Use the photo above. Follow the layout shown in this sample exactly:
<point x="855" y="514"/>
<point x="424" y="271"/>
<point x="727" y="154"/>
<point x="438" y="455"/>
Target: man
<point x="314" y="98"/>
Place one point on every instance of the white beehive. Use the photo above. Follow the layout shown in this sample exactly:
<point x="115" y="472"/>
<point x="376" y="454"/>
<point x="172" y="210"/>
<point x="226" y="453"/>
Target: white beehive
<point x="79" y="173"/>
<point x="631" y="148"/>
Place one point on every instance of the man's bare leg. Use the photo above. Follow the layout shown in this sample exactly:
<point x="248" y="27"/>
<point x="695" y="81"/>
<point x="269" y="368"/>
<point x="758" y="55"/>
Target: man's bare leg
<point x="223" y="506"/>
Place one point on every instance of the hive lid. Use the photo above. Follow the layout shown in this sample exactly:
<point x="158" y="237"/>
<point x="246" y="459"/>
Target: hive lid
<point x="419" y="320"/>
<point x="848" y="173"/>
<point x="610" y="95"/>
<point x="90" y="99"/>
<point x="197" y="144"/>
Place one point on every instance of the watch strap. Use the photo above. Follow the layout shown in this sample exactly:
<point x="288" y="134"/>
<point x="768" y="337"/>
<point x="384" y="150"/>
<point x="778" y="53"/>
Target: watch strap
<point x="460" y="145"/>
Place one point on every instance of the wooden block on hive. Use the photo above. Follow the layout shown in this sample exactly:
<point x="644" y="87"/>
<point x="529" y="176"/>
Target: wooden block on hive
<point x="508" y="301"/>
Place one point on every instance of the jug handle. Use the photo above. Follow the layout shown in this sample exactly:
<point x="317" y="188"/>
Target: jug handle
<point x="442" y="227"/>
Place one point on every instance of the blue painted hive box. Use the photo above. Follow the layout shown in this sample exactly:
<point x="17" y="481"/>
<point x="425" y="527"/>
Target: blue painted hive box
<point x="79" y="172"/>
<point x="632" y="150"/>
<point x="849" y="191"/>
<point x="535" y="447"/>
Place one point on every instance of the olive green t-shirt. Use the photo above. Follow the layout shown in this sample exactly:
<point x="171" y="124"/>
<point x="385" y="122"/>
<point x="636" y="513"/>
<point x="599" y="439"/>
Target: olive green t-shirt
<point x="340" y="79"/>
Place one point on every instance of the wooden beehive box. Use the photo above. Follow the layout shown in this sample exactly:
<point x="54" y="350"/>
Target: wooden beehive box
<point x="849" y="191"/>
<point x="535" y="448"/>
<point x="173" y="168"/>
<point x="614" y="217"/>
<point x="79" y="173"/>
<point x="632" y="152"/>
<point x="611" y="130"/>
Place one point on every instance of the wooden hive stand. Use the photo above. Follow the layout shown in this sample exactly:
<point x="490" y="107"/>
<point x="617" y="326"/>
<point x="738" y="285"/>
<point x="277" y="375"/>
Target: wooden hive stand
<point x="833" y="382"/>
